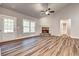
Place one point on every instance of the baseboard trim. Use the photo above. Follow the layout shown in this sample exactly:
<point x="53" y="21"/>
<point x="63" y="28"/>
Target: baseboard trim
<point x="17" y="39"/>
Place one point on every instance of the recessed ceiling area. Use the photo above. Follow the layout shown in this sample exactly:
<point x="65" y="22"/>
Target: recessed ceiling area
<point x="33" y="9"/>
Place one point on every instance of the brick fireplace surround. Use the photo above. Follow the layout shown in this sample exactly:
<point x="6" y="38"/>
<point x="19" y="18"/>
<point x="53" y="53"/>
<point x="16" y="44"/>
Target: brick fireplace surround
<point x="45" y="31"/>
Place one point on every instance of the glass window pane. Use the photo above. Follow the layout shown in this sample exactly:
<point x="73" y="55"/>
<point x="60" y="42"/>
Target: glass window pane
<point x="26" y="26"/>
<point x="32" y="24"/>
<point x="8" y="25"/>
<point x="32" y="27"/>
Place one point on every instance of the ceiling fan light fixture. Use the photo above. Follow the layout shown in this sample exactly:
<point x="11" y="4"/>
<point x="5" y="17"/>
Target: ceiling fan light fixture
<point x="47" y="12"/>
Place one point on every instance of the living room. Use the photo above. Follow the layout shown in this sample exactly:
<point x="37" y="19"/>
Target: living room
<point x="36" y="27"/>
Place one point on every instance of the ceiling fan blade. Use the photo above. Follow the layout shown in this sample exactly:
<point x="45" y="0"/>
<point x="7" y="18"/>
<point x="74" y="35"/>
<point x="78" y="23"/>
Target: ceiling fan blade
<point x="42" y="11"/>
<point x="48" y="8"/>
<point x="52" y="11"/>
<point x="48" y="14"/>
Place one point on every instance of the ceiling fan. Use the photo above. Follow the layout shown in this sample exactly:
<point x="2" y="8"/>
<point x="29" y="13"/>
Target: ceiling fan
<point x="48" y="11"/>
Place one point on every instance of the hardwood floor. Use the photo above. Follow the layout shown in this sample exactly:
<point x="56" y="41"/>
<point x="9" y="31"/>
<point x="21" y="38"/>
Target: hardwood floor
<point x="42" y="46"/>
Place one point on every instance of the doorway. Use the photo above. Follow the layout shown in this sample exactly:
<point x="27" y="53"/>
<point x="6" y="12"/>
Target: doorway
<point x="65" y="26"/>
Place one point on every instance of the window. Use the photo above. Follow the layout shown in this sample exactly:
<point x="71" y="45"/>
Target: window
<point x="8" y="25"/>
<point x="32" y="29"/>
<point x="26" y="26"/>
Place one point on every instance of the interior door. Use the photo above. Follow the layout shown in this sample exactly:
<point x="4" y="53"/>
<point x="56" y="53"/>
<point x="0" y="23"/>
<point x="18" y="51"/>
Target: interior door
<point x="65" y="26"/>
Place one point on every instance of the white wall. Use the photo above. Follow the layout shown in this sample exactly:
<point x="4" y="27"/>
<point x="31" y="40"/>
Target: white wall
<point x="46" y="22"/>
<point x="0" y="29"/>
<point x="19" y="33"/>
<point x="49" y="21"/>
<point x="71" y="11"/>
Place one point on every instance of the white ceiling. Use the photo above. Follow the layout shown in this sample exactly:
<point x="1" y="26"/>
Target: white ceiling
<point x="33" y="9"/>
